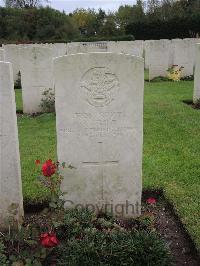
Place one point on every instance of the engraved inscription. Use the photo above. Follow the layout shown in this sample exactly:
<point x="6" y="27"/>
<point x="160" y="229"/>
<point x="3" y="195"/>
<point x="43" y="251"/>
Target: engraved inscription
<point x="100" y="86"/>
<point x="103" y="124"/>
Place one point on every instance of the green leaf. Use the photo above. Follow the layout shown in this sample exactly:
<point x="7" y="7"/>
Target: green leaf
<point x="31" y="242"/>
<point x="63" y="165"/>
<point x="53" y="205"/>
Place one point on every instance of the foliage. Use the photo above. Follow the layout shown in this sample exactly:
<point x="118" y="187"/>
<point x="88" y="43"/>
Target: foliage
<point x="175" y="72"/>
<point x="101" y="240"/>
<point x="152" y="19"/>
<point x="197" y="104"/>
<point x="23" y="3"/>
<point x="80" y="237"/>
<point x="18" y="81"/>
<point x="158" y="79"/>
<point x="51" y="179"/>
<point x="35" y="24"/>
<point x="48" y="101"/>
<point x="105" y="38"/>
<point x="23" y="247"/>
<point x="188" y="78"/>
<point x="3" y="258"/>
<point x="160" y="18"/>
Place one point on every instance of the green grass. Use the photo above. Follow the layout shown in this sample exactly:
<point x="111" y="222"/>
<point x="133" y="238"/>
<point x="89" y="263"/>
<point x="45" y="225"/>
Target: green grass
<point x="18" y="97"/>
<point x="171" y="158"/>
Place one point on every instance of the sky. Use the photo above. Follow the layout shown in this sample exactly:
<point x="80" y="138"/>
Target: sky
<point x="70" y="5"/>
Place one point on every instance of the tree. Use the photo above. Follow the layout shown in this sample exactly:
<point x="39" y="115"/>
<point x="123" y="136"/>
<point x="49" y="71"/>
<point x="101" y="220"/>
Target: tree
<point x="23" y="3"/>
<point x="109" y="27"/>
<point x="85" y="20"/>
<point x="130" y="14"/>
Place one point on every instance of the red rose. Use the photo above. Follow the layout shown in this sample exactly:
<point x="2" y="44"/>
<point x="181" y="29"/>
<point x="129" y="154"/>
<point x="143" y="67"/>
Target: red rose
<point x="37" y="161"/>
<point x="48" y="240"/>
<point x="48" y="168"/>
<point x="151" y="200"/>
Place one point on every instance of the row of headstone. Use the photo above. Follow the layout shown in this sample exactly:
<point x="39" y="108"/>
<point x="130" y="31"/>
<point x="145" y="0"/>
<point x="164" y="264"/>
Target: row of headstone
<point x="162" y="54"/>
<point x="34" y="61"/>
<point x="127" y="47"/>
<point x="99" y="130"/>
<point x="12" y="53"/>
<point x="177" y="52"/>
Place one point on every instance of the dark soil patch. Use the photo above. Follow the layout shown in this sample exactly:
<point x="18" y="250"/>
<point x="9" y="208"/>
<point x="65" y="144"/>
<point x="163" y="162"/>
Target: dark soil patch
<point x="169" y="226"/>
<point x="193" y="105"/>
<point x="33" y="115"/>
<point x="19" y="112"/>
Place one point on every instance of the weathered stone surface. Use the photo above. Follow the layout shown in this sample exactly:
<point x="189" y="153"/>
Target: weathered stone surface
<point x="36" y="64"/>
<point x="60" y="49"/>
<point x="2" y="55"/>
<point x="196" y="93"/>
<point x="159" y="58"/>
<point x="99" y="113"/>
<point x="11" y="203"/>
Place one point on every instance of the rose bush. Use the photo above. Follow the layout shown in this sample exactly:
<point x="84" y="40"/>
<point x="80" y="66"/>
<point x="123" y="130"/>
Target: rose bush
<point x="48" y="168"/>
<point x="49" y="240"/>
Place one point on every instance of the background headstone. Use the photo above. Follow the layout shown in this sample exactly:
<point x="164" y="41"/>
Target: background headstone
<point x="196" y="94"/>
<point x="99" y="114"/>
<point x="147" y="52"/>
<point x="126" y="47"/>
<point x="11" y="203"/>
<point x="36" y="64"/>
<point x="12" y="56"/>
<point x="159" y="58"/>
<point x="2" y="55"/>
<point x="60" y="49"/>
<point x="183" y="55"/>
<point x="87" y="47"/>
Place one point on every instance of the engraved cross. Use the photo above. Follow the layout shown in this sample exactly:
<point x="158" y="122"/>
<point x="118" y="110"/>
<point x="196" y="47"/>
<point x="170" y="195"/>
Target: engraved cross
<point x="101" y="163"/>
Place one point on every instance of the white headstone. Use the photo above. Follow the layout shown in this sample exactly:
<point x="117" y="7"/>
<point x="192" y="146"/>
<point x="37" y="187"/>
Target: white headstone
<point x="99" y="113"/>
<point x="60" y="49"/>
<point x="11" y="203"/>
<point x="36" y="64"/>
<point x="147" y="52"/>
<point x="2" y="55"/>
<point x="127" y="47"/>
<point x="196" y="93"/>
<point x="12" y="56"/>
<point x="86" y="47"/>
<point x="182" y="54"/>
<point x="159" y="58"/>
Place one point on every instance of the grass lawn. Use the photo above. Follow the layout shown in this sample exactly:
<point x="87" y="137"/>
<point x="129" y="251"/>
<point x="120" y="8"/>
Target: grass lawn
<point x="171" y="149"/>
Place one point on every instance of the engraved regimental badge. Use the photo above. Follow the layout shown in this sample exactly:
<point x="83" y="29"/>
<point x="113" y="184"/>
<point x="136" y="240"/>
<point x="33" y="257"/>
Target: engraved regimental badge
<point x="100" y="86"/>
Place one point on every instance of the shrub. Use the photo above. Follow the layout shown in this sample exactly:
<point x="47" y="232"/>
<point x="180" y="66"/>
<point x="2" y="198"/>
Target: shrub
<point x="188" y="78"/>
<point x="197" y="104"/>
<point x="18" y="81"/>
<point x="175" y="72"/>
<point x="101" y="240"/>
<point x="48" y="101"/>
<point x="105" y="38"/>
<point x="3" y="258"/>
